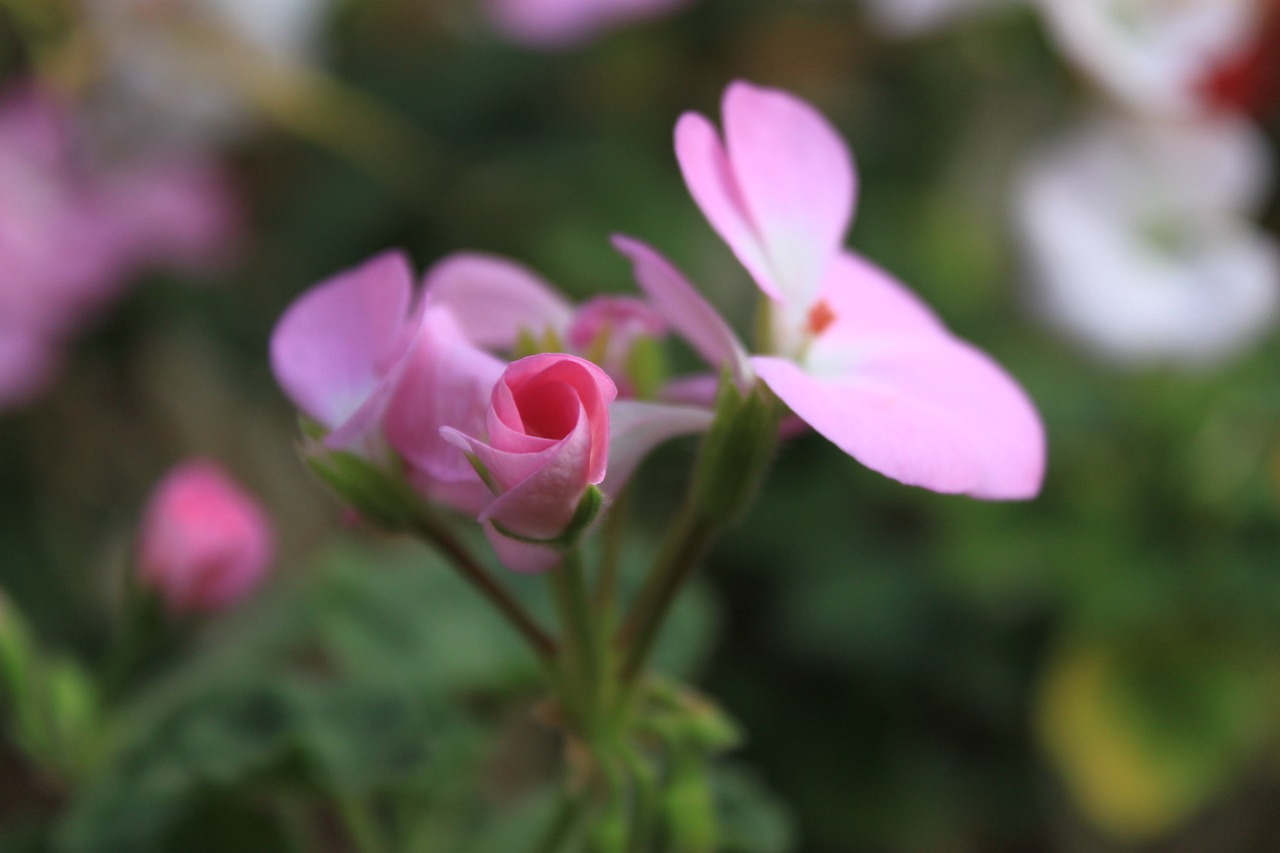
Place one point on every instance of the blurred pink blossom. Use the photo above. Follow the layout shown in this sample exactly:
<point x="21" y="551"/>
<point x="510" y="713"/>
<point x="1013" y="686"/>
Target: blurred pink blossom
<point x="548" y="441"/>
<point x="204" y="543"/>
<point x="552" y="24"/>
<point x="850" y="350"/>
<point x="75" y="230"/>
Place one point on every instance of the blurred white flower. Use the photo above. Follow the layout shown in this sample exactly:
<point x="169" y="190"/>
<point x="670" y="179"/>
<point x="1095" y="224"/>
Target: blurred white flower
<point x="1155" y="56"/>
<point x="913" y="17"/>
<point x="180" y="69"/>
<point x="1139" y="238"/>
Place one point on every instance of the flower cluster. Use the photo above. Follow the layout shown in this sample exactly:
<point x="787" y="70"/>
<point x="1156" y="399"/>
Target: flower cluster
<point x="491" y="394"/>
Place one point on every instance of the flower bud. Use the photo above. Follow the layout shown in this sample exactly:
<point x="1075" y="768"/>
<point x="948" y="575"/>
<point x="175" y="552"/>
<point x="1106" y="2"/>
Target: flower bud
<point x="548" y="446"/>
<point x="204" y="543"/>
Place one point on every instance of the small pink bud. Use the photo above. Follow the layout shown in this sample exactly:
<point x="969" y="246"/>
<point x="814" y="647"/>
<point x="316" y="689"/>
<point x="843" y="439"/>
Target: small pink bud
<point x="204" y="544"/>
<point x="548" y="443"/>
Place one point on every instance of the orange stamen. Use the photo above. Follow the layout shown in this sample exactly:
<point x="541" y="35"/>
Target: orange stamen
<point x="820" y="317"/>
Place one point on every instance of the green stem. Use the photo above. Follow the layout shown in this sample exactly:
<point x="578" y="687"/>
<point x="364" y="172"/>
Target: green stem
<point x="645" y="805"/>
<point x="574" y="605"/>
<point x="438" y="534"/>
<point x="567" y="815"/>
<point x="683" y="550"/>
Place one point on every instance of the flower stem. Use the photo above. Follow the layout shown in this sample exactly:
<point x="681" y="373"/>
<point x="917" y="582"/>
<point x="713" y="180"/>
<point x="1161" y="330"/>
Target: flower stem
<point x="682" y="552"/>
<point x="581" y="637"/>
<point x="431" y="529"/>
<point x="567" y="815"/>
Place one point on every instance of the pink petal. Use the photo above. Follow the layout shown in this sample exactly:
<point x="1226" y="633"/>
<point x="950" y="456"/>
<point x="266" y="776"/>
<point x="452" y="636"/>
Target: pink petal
<point x="927" y="410"/>
<point x="796" y="177"/>
<point x="495" y="298"/>
<point x="685" y="309"/>
<point x="335" y="344"/>
<point x="523" y="557"/>
<point x="542" y="505"/>
<point x="867" y="301"/>
<point x="714" y="188"/>
<point x="446" y="382"/>
<point x="636" y="427"/>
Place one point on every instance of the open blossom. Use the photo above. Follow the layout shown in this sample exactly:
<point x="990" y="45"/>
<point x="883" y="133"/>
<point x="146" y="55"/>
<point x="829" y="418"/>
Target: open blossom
<point x="547" y="442"/>
<point x="1154" y="56"/>
<point x="850" y="350"/>
<point x="204" y="543"/>
<point x="1141" y="242"/>
<point x="381" y="371"/>
<point x="560" y="23"/>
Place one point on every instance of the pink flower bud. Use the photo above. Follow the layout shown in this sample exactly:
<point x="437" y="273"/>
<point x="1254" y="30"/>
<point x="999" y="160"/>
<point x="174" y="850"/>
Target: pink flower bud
<point x="607" y="329"/>
<point x="204" y="543"/>
<point x="548" y="424"/>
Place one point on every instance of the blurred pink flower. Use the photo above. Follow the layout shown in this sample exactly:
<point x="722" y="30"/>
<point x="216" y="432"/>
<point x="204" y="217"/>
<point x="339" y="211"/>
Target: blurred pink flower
<point x="912" y="17"/>
<point x="119" y="219"/>
<point x="548" y="442"/>
<point x="553" y="24"/>
<point x="204" y="544"/>
<point x="850" y="350"/>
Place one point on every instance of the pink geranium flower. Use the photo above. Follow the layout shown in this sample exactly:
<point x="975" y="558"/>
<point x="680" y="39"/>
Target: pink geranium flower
<point x="548" y="442"/>
<point x="849" y="349"/>
<point x="204" y="544"/>
<point x="363" y="357"/>
<point x="498" y="302"/>
<point x="561" y="23"/>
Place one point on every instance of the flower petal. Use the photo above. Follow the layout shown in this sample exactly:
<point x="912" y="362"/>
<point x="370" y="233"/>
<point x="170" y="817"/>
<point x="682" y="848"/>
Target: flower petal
<point x="685" y="309"/>
<point x="636" y="427"/>
<point x="927" y="410"/>
<point x="710" y="179"/>
<point x="446" y="382"/>
<point x="796" y="179"/>
<point x="332" y="348"/>
<point x="495" y="298"/>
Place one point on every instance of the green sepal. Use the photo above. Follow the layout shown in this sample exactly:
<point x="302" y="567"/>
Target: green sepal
<point x="382" y="497"/>
<point x="647" y="368"/>
<point x="736" y="451"/>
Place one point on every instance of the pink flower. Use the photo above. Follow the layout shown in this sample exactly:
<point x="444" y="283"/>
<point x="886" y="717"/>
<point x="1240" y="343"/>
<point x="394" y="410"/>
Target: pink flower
<point x="383" y="372"/>
<point x="561" y="23"/>
<point x="340" y="347"/>
<point x="204" y="543"/>
<point x="497" y="303"/>
<point x="118" y="218"/>
<point x="848" y="348"/>
<point x="548" y="443"/>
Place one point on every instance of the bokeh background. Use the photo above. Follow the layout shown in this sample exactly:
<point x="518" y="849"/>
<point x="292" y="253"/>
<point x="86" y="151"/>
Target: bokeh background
<point x="1094" y="670"/>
